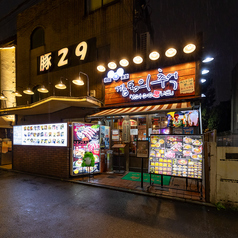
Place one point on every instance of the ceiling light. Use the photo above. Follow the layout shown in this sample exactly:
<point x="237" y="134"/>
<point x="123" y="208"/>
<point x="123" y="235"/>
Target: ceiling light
<point x="205" y="71"/>
<point x="101" y="68"/>
<point x="189" y="48"/>
<point x="60" y="85"/>
<point x="203" y="80"/>
<point x="154" y="55"/>
<point x="28" y="91"/>
<point x="124" y="62"/>
<point x="42" y="89"/>
<point x="208" y="59"/>
<point x="112" y="65"/>
<point x="171" y="52"/>
<point x="2" y="97"/>
<point x="137" y="59"/>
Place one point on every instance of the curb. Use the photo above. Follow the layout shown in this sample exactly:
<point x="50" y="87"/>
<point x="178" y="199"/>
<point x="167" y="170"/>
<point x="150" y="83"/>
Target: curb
<point x="142" y="193"/>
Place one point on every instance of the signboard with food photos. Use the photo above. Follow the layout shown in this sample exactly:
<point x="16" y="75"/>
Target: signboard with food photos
<point x="85" y="139"/>
<point x="41" y="134"/>
<point x="176" y="155"/>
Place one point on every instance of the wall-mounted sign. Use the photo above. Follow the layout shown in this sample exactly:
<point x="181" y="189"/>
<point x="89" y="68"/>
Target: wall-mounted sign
<point x="176" y="81"/>
<point x="73" y="55"/>
<point x="41" y="135"/>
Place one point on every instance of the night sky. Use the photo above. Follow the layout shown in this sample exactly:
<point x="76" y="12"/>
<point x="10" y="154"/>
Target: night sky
<point x="181" y="20"/>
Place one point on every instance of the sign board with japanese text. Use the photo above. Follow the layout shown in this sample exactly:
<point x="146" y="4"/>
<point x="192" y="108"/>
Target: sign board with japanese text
<point x="159" y="85"/>
<point x="80" y="53"/>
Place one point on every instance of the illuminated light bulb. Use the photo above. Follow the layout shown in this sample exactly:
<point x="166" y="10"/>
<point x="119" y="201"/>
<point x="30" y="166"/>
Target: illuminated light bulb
<point x="203" y="80"/>
<point x="154" y="55"/>
<point x="137" y="59"/>
<point x="189" y="48"/>
<point x="101" y="68"/>
<point x="124" y="62"/>
<point x="17" y="94"/>
<point x="208" y="59"/>
<point x="120" y="72"/>
<point x="203" y="95"/>
<point x="60" y="85"/>
<point x="171" y="52"/>
<point x="28" y="91"/>
<point x="2" y="97"/>
<point x="78" y="81"/>
<point x="43" y="89"/>
<point x="205" y="71"/>
<point x="112" y="65"/>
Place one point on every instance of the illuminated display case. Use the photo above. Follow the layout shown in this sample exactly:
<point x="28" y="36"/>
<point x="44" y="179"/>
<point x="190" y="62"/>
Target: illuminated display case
<point x="176" y="155"/>
<point x="41" y="135"/>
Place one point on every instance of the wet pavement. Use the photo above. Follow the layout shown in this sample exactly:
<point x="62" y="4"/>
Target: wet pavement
<point x="33" y="206"/>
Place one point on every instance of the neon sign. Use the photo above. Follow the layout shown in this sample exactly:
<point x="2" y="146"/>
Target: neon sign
<point x="130" y="90"/>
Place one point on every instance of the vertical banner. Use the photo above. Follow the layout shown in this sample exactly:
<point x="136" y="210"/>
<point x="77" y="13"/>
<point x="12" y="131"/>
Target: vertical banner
<point x="126" y="126"/>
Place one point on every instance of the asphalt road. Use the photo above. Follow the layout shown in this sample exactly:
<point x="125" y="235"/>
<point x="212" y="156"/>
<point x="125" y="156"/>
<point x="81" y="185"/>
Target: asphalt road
<point x="32" y="206"/>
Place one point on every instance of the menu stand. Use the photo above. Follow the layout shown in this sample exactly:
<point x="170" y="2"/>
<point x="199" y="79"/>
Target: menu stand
<point x="118" y="146"/>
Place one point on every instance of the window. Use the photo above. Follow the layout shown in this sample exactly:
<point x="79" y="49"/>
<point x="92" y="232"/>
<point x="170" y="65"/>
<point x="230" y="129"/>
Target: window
<point x="93" y="5"/>
<point x="37" y="38"/>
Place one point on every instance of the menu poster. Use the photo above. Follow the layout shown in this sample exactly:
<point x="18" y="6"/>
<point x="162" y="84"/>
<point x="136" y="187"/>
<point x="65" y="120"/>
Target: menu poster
<point x="115" y="135"/>
<point x="41" y="134"/>
<point x="85" y="139"/>
<point x="176" y="155"/>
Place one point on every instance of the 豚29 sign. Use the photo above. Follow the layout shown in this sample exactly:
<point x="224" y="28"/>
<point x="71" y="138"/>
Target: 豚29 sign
<point x="74" y="55"/>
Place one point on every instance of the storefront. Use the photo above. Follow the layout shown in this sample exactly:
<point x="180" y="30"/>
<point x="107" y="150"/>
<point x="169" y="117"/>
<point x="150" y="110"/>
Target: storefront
<point x="163" y="104"/>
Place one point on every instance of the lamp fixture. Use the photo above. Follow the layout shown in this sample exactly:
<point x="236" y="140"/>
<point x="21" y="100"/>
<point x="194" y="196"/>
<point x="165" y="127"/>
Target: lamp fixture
<point x="28" y="91"/>
<point x="137" y="59"/>
<point x="78" y="81"/>
<point x="17" y="94"/>
<point x="203" y="80"/>
<point x="203" y="95"/>
<point x="171" y="52"/>
<point x="189" y="48"/>
<point x="42" y="89"/>
<point x="205" y="71"/>
<point x="208" y="59"/>
<point x="154" y="55"/>
<point x="124" y="62"/>
<point x="2" y="97"/>
<point x="101" y="68"/>
<point x="60" y="85"/>
<point x="112" y="65"/>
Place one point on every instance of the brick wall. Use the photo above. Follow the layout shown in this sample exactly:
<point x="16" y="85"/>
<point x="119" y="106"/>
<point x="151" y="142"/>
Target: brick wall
<point x="43" y="160"/>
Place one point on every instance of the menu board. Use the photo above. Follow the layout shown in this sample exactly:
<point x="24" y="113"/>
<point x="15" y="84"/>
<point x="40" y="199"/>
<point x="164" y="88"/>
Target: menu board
<point x="85" y="139"/>
<point x="41" y="134"/>
<point x="176" y="155"/>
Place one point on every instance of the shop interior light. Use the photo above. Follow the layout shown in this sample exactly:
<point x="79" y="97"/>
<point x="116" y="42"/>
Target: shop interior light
<point x="101" y="68"/>
<point x="124" y="62"/>
<point x="60" y="85"/>
<point x="203" y="80"/>
<point x="205" y="71"/>
<point x="7" y="48"/>
<point x="112" y="65"/>
<point x="137" y="59"/>
<point x="42" y="89"/>
<point x="2" y="97"/>
<point x="17" y="94"/>
<point x="28" y="91"/>
<point x="189" y="48"/>
<point x="208" y="59"/>
<point x="154" y="55"/>
<point x="171" y="52"/>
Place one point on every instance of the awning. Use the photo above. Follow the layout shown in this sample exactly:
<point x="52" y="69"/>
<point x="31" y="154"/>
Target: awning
<point x="143" y="109"/>
<point x="52" y="104"/>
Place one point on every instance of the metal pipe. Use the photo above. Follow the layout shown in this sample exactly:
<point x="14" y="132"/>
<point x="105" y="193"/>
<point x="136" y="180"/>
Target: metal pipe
<point x="87" y="82"/>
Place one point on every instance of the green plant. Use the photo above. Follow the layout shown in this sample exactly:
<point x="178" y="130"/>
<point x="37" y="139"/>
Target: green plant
<point x="220" y="206"/>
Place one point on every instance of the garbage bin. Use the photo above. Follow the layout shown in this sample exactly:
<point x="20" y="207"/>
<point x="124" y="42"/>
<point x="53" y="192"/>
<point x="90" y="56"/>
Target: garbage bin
<point x="109" y="161"/>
